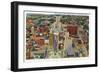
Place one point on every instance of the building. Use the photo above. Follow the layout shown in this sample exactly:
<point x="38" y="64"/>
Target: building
<point x="72" y="29"/>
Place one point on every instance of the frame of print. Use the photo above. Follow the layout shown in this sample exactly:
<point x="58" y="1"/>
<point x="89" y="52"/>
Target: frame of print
<point x="52" y="36"/>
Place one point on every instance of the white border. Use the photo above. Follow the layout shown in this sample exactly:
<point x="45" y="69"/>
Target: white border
<point x="56" y="62"/>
